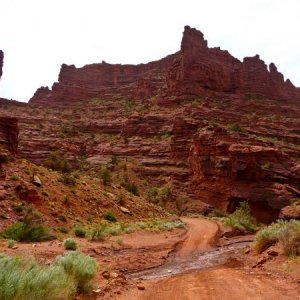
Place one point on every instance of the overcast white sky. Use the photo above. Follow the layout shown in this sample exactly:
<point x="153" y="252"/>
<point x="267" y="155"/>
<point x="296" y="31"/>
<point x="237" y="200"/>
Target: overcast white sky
<point x="37" y="36"/>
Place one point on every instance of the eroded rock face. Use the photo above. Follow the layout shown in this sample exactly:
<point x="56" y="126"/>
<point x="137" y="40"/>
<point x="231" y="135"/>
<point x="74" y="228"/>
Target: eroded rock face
<point x="1" y="62"/>
<point x="227" y="171"/>
<point x="202" y="70"/>
<point x="105" y="81"/>
<point x="195" y="70"/>
<point x="9" y="134"/>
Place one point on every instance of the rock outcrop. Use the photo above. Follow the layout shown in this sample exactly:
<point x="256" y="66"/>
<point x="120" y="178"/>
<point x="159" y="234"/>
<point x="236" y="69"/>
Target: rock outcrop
<point x="201" y="70"/>
<point x="196" y="70"/>
<point x="1" y="62"/>
<point x="194" y="122"/>
<point x="230" y="169"/>
<point x="9" y="134"/>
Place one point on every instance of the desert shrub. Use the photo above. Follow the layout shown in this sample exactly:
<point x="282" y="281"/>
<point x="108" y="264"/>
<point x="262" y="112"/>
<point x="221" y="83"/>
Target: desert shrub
<point x="23" y="232"/>
<point x="216" y="213"/>
<point x="81" y="267"/>
<point x="114" y="230"/>
<point x="286" y="233"/>
<point x="115" y="160"/>
<point x="235" y="127"/>
<point x="5" y="158"/>
<point x="69" y="179"/>
<point x="19" y="208"/>
<point x="14" y="177"/>
<point x="241" y="219"/>
<point x="165" y="193"/>
<point x="11" y="243"/>
<point x="152" y="195"/>
<point x="159" y="196"/>
<point x="57" y="163"/>
<point x="99" y="232"/>
<point x="289" y="238"/>
<point x="105" y="175"/>
<point x="131" y="187"/>
<point x="80" y="231"/>
<point x="110" y="216"/>
<point x="24" y="279"/>
<point x="70" y="244"/>
<point x="29" y="230"/>
<point x="63" y="229"/>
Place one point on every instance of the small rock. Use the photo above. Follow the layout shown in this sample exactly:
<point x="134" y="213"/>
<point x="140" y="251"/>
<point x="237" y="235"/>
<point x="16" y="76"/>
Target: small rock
<point x="95" y="251"/>
<point x="113" y="275"/>
<point x="141" y="287"/>
<point x="37" y="181"/>
<point x="97" y="291"/>
<point x="261" y="260"/>
<point x="105" y="275"/>
<point x="169" y="271"/>
<point x="125" y="210"/>
<point x="3" y="195"/>
<point x="272" y="252"/>
<point x="247" y="251"/>
<point x="34" y="245"/>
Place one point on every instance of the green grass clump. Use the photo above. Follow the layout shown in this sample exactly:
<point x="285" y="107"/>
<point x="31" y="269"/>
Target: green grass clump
<point x="57" y="163"/>
<point x="11" y="243"/>
<point x="110" y="216"/>
<point x="115" y="160"/>
<point x="159" y="196"/>
<point x="24" y="279"/>
<point x="79" y="266"/>
<point x="14" y="177"/>
<point x="29" y="230"/>
<point x="70" y="244"/>
<point x="106" y="229"/>
<point x="105" y="175"/>
<point x="286" y="233"/>
<point x="241" y="219"/>
<point x="69" y="179"/>
<point x="80" y="231"/>
<point x="132" y="188"/>
<point x="23" y="232"/>
<point x="99" y="232"/>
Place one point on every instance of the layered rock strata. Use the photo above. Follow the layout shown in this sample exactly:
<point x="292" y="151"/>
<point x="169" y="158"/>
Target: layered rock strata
<point x="196" y="70"/>
<point x="9" y="134"/>
<point x="1" y="62"/>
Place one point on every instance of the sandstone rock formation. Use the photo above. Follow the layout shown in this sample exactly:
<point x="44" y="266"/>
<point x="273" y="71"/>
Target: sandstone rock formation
<point x="9" y="134"/>
<point x="196" y="70"/>
<point x="228" y="170"/>
<point x="1" y="62"/>
<point x="194" y="121"/>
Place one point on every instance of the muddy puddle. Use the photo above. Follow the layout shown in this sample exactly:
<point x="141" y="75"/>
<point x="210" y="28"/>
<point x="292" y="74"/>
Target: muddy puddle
<point x="197" y="261"/>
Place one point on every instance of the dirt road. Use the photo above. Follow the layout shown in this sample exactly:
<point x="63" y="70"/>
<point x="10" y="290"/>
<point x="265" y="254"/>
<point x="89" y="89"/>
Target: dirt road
<point x="201" y="235"/>
<point x="219" y="283"/>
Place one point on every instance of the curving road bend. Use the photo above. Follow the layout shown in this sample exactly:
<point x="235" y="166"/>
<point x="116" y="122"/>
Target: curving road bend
<point x="219" y="283"/>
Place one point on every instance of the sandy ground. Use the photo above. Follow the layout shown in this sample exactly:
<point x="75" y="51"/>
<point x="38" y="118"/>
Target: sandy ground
<point x="216" y="284"/>
<point x="144" y="250"/>
<point x="222" y="283"/>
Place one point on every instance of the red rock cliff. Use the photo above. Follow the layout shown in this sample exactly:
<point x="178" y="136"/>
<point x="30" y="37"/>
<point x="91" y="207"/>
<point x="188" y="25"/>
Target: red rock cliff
<point x="9" y="134"/>
<point x="1" y="62"/>
<point x="193" y="71"/>
<point x="228" y="169"/>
